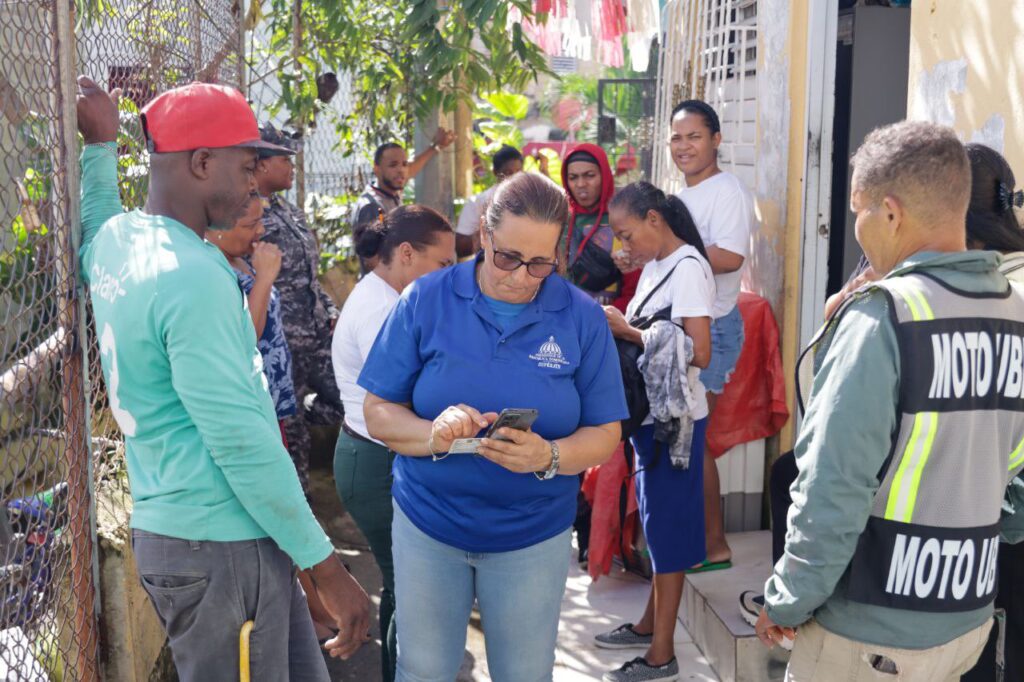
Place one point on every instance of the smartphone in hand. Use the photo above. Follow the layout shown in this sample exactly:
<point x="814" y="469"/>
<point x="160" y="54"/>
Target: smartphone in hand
<point x="510" y="418"/>
<point x="517" y="418"/>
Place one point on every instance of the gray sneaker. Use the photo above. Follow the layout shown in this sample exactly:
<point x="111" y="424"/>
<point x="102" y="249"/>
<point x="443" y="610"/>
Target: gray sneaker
<point x="639" y="670"/>
<point x="623" y="637"/>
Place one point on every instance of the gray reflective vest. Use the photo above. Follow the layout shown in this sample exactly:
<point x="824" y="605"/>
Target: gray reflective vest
<point x="932" y="538"/>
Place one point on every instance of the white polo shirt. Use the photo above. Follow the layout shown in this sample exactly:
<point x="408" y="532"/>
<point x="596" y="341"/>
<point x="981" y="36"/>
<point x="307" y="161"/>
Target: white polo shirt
<point x="365" y="311"/>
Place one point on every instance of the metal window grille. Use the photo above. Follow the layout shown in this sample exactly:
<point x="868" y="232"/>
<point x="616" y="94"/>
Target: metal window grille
<point x="710" y="53"/>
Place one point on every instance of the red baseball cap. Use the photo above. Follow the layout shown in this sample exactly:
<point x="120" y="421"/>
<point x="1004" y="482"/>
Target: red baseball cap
<point x="202" y="115"/>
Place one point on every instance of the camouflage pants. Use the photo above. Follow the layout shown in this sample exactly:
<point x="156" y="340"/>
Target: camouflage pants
<point x="312" y="374"/>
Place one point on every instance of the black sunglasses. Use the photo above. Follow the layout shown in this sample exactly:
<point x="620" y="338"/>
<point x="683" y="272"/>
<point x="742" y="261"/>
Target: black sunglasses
<point x="509" y="263"/>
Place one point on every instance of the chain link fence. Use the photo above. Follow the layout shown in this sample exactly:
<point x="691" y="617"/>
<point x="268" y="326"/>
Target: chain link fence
<point x="329" y="174"/>
<point x="56" y="500"/>
<point x="61" y="510"/>
<point x="47" y="590"/>
<point x="144" y="48"/>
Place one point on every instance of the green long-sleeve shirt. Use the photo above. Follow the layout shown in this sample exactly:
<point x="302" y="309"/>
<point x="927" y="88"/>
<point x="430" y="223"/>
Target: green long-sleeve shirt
<point x="185" y="381"/>
<point x="844" y="439"/>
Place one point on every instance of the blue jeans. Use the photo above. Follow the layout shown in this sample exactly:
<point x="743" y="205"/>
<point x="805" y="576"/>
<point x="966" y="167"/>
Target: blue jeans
<point x="519" y="594"/>
<point x="726" y="344"/>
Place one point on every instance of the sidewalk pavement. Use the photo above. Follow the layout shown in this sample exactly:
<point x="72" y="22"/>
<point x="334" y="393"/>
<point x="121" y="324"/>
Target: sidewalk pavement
<point x="589" y="608"/>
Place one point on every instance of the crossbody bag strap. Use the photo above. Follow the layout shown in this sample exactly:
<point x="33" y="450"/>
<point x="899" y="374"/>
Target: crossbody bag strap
<point x="593" y="231"/>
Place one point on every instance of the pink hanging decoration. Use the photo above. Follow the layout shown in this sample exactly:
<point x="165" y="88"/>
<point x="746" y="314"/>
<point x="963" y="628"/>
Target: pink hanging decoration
<point x="579" y="28"/>
<point x="609" y="27"/>
<point x="546" y="36"/>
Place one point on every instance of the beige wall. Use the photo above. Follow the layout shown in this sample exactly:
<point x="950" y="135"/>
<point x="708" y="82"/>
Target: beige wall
<point x="764" y="275"/>
<point x="967" y="71"/>
<point x="791" y="208"/>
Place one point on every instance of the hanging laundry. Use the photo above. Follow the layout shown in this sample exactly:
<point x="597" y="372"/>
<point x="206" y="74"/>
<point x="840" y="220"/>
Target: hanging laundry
<point x="592" y="29"/>
<point x="546" y="35"/>
<point x="643" y="24"/>
<point x="609" y="27"/>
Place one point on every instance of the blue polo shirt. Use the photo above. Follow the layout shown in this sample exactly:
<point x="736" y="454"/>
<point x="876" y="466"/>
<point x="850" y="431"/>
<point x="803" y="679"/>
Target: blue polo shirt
<point x="443" y="345"/>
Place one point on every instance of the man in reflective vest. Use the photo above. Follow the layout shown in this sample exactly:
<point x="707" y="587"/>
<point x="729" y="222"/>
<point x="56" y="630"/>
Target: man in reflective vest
<point x="914" y="428"/>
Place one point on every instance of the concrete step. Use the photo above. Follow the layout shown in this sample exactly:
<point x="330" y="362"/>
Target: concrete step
<point x="710" y="612"/>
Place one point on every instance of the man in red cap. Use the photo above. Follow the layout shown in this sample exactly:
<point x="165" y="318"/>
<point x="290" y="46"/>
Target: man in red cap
<point x="219" y="520"/>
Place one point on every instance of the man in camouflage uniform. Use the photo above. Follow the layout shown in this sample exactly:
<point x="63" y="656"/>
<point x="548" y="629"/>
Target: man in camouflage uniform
<point x="307" y="311"/>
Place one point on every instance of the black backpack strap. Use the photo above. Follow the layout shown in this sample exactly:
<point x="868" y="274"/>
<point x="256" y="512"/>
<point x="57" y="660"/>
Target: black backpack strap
<point x="647" y="298"/>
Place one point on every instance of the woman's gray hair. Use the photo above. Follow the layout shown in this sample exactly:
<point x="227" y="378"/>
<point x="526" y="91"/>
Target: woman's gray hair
<point x="922" y="164"/>
<point x="528" y="195"/>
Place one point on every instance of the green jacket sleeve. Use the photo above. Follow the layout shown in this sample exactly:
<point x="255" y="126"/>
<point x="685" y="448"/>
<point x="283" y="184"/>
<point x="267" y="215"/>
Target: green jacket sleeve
<point x="844" y="440"/>
<point x="218" y="378"/>
<point x="101" y="199"/>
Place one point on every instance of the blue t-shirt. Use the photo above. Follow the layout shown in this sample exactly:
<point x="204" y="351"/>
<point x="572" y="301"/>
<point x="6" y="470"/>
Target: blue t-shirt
<point x="443" y="345"/>
<point x="504" y="313"/>
<point x="273" y="347"/>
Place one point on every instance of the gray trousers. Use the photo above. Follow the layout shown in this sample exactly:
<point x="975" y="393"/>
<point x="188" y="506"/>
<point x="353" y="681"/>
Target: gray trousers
<point x="204" y="591"/>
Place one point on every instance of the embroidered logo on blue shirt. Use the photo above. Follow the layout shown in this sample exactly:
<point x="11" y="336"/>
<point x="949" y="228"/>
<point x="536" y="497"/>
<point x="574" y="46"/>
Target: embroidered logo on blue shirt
<point x="550" y="355"/>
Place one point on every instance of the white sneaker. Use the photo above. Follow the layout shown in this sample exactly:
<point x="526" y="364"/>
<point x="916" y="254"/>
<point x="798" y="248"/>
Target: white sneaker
<point x="751" y="604"/>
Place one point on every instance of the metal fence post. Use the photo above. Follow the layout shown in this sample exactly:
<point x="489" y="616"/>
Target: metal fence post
<point x="81" y="512"/>
<point x="300" y="156"/>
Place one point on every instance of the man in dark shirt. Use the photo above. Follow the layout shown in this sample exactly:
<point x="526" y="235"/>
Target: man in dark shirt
<point x="391" y="170"/>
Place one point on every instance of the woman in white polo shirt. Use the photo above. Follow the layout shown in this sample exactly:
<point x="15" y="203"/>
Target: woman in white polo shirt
<point x="408" y="243"/>
<point x="723" y="209"/>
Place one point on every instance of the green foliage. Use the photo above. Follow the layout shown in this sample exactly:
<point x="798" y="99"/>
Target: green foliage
<point x="496" y="117"/>
<point x="88" y="12"/>
<point x="402" y="59"/>
<point x="509" y="104"/>
<point x="623" y="101"/>
<point x="327" y="216"/>
<point x="20" y="264"/>
<point x="132" y="159"/>
<point x="24" y="261"/>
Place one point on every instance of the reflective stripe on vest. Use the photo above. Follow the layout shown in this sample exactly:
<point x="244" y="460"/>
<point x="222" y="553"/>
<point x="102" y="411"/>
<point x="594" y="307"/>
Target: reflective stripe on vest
<point x="907" y="481"/>
<point x="1017" y="456"/>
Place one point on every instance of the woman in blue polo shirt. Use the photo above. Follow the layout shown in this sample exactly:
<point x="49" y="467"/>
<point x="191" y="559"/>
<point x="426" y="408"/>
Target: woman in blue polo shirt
<point x="461" y="345"/>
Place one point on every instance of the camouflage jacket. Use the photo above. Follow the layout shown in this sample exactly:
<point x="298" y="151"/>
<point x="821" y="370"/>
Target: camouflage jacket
<point x="305" y="307"/>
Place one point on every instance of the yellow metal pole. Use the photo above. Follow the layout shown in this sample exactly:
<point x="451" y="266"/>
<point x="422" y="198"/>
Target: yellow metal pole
<point x="243" y="651"/>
